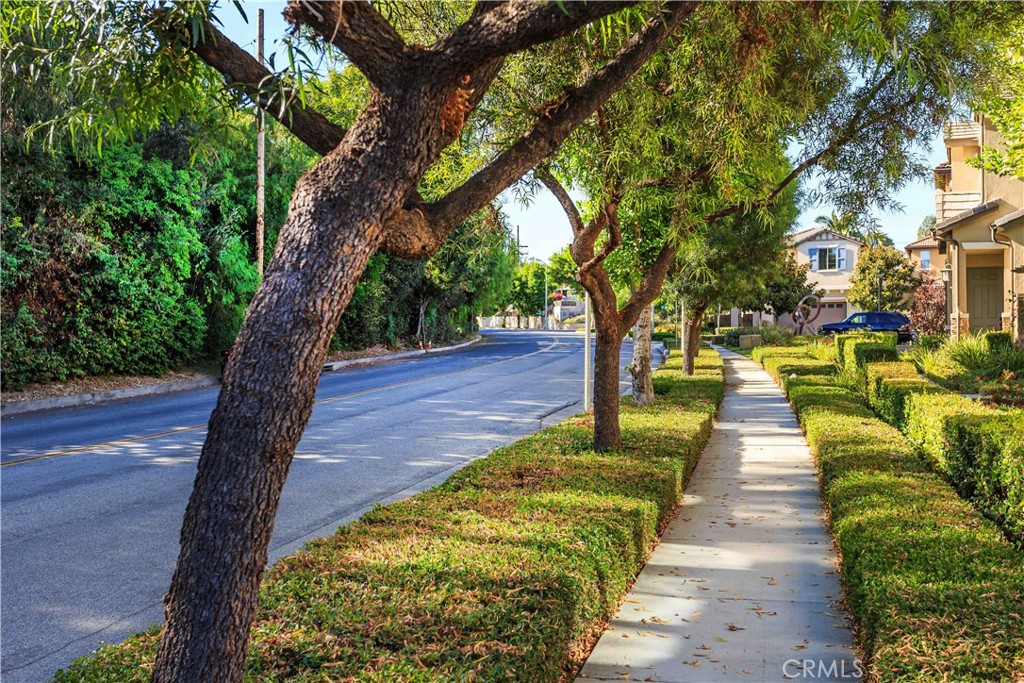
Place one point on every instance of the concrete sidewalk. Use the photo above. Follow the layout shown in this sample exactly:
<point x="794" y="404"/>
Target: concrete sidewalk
<point x="744" y="584"/>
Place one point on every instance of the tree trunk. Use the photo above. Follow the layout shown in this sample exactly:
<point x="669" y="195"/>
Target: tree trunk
<point x="640" y="368"/>
<point x="691" y="343"/>
<point x="333" y="227"/>
<point x="607" y="348"/>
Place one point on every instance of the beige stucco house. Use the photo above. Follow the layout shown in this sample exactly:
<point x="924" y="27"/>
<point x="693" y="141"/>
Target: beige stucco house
<point x="831" y="257"/>
<point x="924" y="254"/>
<point x="980" y="231"/>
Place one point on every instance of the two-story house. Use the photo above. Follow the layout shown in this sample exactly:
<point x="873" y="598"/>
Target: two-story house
<point x="980" y="231"/>
<point x="831" y="257"/>
<point x="924" y="254"/>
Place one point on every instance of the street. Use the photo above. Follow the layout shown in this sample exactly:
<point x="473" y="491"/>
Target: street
<point x="92" y="497"/>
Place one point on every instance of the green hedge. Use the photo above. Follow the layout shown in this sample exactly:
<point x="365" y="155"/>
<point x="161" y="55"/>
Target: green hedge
<point x="986" y="459"/>
<point x="889" y="384"/>
<point x="762" y="352"/>
<point x="887" y="338"/>
<point x="856" y="351"/>
<point x="928" y="419"/>
<point x="997" y="340"/>
<point x="935" y="586"/>
<point x="505" y="572"/>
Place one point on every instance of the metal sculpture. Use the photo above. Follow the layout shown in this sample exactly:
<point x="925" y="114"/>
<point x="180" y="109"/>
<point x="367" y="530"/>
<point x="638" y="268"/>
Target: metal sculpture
<point x="807" y="311"/>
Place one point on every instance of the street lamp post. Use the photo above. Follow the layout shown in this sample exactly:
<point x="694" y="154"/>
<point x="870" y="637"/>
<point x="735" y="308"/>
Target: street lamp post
<point x="947" y="285"/>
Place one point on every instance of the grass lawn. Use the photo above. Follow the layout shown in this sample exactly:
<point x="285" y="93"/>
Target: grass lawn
<point x="507" y="572"/>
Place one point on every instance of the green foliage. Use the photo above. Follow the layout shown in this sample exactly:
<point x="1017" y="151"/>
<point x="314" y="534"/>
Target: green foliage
<point x="926" y="227"/>
<point x="927" y="422"/>
<point x="936" y="588"/>
<point x="997" y="341"/>
<point x="968" y="362"/>
<point x="562" y="270"/>
<point x="770" y="334"/>
<point x="986" y="462"/>
<point x="900" y="279"/>
<point x="527" y="293"/>
<point x="889" y="384"/>
<point x="783" y="288"/>
<point x="503" y="572"/>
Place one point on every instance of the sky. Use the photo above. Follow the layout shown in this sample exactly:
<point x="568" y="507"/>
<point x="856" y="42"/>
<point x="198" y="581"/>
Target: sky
<point x="543" y="227"/>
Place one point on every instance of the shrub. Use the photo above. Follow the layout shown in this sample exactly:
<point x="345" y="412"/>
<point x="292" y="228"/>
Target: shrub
<point x="889" y="384"/>
<point x="998" y="340"/>
<point x="824" y="348"/>
<point x="928" y="420"/>
<point x="505" y="572"/>
<point x="935" y="587"/>
<point x="986" y="463"/>
<point x="763" y="352"/>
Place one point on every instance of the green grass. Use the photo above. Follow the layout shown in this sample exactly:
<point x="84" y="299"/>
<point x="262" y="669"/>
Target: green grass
<point x="507" y="572"/>
<point x="937" y="590"/>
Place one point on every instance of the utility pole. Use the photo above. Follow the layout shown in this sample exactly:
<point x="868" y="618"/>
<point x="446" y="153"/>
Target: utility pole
<point x="260" y="158"/>
<point x="586" y="354"/>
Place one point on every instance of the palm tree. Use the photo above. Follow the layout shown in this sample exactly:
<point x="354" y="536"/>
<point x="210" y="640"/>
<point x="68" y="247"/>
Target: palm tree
<point x="844" y="223"/>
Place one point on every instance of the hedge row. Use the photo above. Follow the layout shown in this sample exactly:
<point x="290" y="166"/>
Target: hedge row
<point x="855" y="351"/>
<point x="980" y="449"/>
<point x="937" y="589"/>
<point x="506" y="572"/>
<point x="889" y="384"/>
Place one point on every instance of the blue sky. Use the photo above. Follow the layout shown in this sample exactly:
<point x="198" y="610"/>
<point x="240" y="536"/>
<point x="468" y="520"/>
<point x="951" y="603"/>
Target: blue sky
<point x="543" y="227"/>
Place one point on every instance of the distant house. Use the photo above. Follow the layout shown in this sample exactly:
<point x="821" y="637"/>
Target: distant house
<point x="925" y="255"/>
<point x="980" y="232"/>
<point x="831" y="256"/>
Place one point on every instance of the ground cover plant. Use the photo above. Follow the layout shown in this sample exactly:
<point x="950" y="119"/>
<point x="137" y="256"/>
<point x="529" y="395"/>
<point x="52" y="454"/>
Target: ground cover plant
<point x="974" y="363"/>
<point x="935" y="587"/>
<point x="504" y="573"/>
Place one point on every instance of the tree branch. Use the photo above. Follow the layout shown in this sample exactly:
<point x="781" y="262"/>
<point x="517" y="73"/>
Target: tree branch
<point x="557" y="121"/>
<point x="556" y="188"/>
<point x="611" y="212"/>
<point x="511" y="27"/>
<point x="369" y="41"/>
<point x="244" y="73"/>
<point x="649" y="287"/>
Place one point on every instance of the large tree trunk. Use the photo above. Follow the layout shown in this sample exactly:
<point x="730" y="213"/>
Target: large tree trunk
<point x="607" y="350"/>
<point x="333" y="227"/>
<point x="691" y="341"/>
<point x="640" y="368"/>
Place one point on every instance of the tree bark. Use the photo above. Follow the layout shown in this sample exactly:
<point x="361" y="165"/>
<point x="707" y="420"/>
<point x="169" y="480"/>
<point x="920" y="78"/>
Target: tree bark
<point x="640" y="368"/>
<point x="334" y="225"/>
<point x="691" y="343"/>
<point x="607" y="349"/>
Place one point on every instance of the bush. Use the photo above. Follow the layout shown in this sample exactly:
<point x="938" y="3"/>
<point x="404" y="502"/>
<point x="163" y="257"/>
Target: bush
<point x="986" y="463"/>
<point x="935" y="587"/>
<point x="998" y="340"/>
<point x="505" y="572"/>
<point x="928" y="420"/>
<point x="770" y="334"/>
<point x="855" y="351"/>
<point x="889" y="384"/>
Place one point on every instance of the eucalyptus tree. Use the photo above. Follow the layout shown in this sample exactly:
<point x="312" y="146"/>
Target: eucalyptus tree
<point x="119" y="62"/>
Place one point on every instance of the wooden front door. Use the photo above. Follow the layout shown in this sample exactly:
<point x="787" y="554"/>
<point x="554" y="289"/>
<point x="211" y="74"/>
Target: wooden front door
<point x="985" y="298"/>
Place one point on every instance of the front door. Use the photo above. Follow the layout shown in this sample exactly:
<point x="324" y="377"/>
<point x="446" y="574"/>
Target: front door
<point x="985" y="298"/>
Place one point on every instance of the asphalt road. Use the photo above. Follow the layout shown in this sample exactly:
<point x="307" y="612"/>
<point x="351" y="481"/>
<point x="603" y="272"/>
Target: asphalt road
<point x="91" y="498"/>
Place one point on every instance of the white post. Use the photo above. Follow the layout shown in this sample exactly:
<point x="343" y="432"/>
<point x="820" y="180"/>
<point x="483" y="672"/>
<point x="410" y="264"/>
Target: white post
<point x="586" y="354"/>
<point x="260" y="157"/>
<point x="545" y="298"/>
<point x="682" y="325"/>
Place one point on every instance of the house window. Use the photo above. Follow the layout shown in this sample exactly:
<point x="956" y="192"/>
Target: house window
<point x="828" y="258"/>
<point x="926" y="259"/>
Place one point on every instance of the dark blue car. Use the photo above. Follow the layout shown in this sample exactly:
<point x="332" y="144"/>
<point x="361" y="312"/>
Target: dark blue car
<point x="878" y="321"/>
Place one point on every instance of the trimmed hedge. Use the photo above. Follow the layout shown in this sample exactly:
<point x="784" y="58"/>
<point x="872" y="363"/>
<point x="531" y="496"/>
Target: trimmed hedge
<point x="507" y="571"/>
<point x="889" y="384"/>
<point x="936" y="588"/>
<point x="856" y="351"/>
<point x="986" y="459"/>
<point x="998" y="340"/>
<point x="887" y="338"/>
<point x="927" y="420"/>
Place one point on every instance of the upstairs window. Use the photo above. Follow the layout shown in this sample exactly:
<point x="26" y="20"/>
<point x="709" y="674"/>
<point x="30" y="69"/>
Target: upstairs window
<point x="926" y="259"/>
<point x="828" y="258"/>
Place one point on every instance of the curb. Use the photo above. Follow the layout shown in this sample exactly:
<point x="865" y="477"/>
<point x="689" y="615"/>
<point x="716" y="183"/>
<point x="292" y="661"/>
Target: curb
<point x="101" y="396"/>
<point x="342" y="364"/>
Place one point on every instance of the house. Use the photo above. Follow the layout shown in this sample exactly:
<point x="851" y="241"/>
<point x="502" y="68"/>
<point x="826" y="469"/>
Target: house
<point x="924" y="254"/>
<point x="831" y="256"/>
<point x="980" y="231"/>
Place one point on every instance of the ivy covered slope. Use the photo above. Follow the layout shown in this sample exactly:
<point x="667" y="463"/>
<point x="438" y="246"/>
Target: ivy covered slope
<point x="504" y="573"/>
<point x="936" y="588"/>
<point x="140" y="260"/>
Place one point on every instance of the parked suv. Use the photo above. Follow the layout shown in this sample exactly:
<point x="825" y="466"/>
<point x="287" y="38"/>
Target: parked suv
<point x="879" y="321"/>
